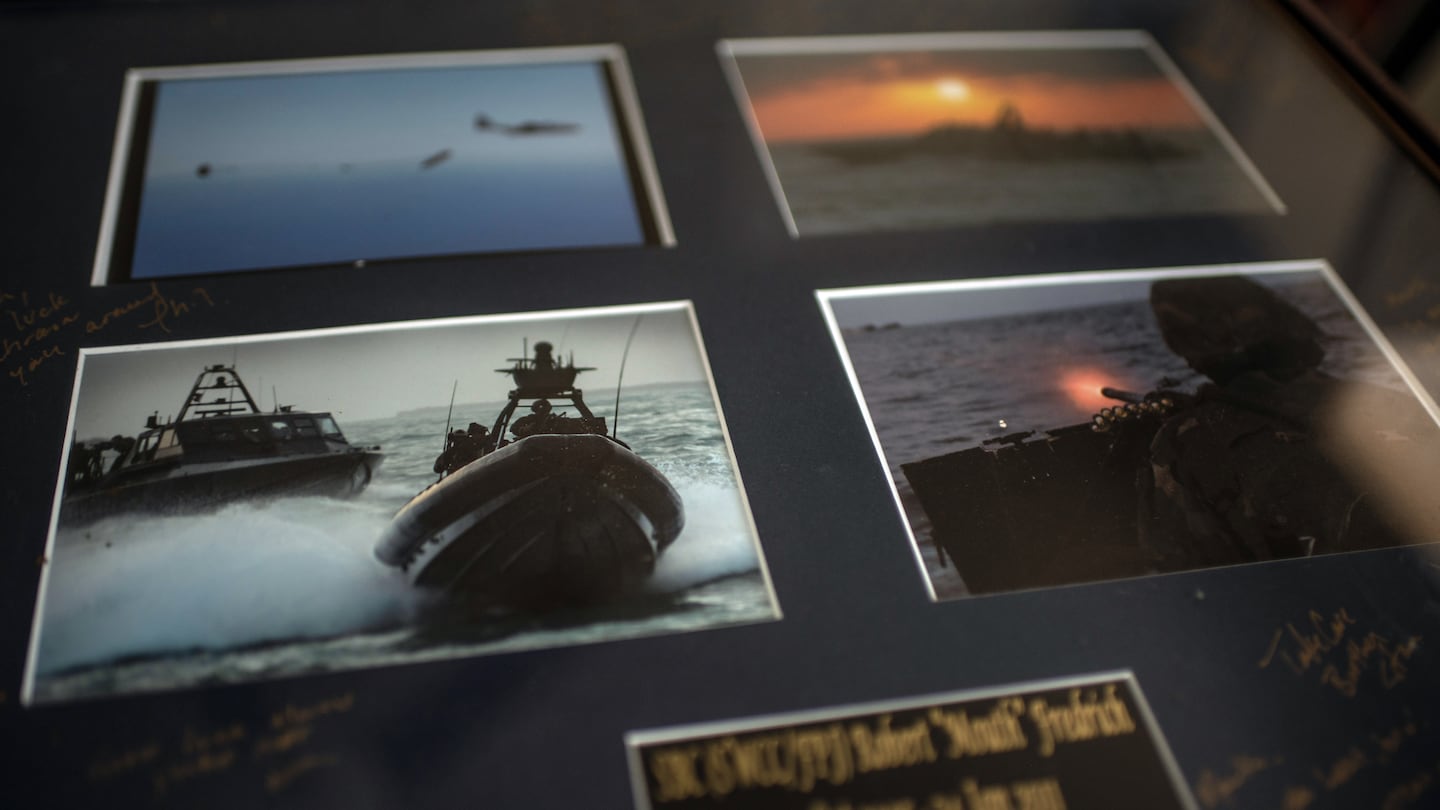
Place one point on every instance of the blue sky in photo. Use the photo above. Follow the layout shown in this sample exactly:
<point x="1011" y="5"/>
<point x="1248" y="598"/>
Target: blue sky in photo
<point x="375" y="115"/>
<point x="322" y="168"/>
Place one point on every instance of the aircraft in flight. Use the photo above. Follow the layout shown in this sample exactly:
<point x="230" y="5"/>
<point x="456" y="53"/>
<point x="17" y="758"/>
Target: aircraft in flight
<point x="484" y="124"/>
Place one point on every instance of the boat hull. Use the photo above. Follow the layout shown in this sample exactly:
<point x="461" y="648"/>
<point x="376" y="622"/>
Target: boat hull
<point x="1054" y="511"/>
<point x="547" y="520"/>
<point x="190" y="488"/>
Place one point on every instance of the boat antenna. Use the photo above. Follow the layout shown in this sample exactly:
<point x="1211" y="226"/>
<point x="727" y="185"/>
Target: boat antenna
<point x="274" y="399"/>
<point x="234" y="363"/>
<point x="448" y="414"/>
<point x="615" y="423"/>
<point x="560" y="345"/>
<point x="445" y="440"/>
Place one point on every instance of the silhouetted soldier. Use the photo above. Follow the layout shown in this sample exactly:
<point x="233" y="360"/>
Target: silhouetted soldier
<point x="1261" y="465"/>
<point x="85" y="464"/>
<point x="475" y="438"/>
<point x="445" y="462"/>
<point x="538" y="419"/>
<point x="87" y="461"/>
<point x="461" y="448"/>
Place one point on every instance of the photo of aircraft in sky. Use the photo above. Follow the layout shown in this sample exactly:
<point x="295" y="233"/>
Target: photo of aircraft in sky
<point x="484" y="124"/>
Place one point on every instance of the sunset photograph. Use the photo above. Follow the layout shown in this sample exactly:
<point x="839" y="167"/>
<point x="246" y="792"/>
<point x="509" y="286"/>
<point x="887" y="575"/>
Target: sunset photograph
<point x="898" y="132"/>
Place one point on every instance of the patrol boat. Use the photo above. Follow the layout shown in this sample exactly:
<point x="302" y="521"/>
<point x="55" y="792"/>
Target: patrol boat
<point x="220" y="448"/>
<point x="559" y="512"/>
<point x="1011" y="139"/>
<point x="1041" y="508"/>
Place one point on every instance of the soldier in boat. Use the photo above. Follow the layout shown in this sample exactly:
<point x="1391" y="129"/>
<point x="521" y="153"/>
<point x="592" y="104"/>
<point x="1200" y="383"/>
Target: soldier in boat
<point x="540" y="418"/>
<point x="1262" y="463"/>
<point x="88" y="461"/>
<point x="461" y="448"/>
<point x="544" y="357"/>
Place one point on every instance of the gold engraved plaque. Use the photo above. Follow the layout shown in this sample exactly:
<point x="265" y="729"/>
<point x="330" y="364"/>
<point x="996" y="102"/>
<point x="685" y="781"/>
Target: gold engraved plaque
<point x="1081" y="742"/>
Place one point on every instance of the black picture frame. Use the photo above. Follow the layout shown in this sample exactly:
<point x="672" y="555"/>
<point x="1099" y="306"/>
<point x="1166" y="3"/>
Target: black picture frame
<point x="1306" y="681"/>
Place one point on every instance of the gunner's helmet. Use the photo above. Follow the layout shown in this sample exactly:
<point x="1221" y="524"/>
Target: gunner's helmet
<point x="1225" y="326"/>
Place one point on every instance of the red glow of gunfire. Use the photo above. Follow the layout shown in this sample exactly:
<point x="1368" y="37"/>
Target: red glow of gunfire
<point x="1082" y="386"/>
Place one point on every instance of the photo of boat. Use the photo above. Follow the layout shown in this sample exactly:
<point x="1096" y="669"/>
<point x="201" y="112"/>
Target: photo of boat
<point x="1080" y="428"/>
<point x="511" y="511"/>
<point x="563" y="512"/>
<point x="933" y="130"/>
<point x="220" y="448"/>
<point x="1009" y="138"/>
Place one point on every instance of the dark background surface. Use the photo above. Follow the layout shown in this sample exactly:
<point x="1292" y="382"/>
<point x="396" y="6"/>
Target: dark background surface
<point x="546" y="728"/>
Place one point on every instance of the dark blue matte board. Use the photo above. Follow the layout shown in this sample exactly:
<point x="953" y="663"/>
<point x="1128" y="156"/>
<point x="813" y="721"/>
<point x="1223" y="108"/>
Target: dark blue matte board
<point x="546" y="728"/>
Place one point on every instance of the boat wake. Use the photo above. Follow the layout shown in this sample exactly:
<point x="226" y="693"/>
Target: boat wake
<point x="137" y="586"/>
<point x="245" y="575"/>
<point x="715" y="543"/>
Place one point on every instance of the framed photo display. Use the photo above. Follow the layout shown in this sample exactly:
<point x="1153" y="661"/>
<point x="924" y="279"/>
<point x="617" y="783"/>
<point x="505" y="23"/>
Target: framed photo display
<point x="906" y="406"/>
<point x="145" y="523"/>
<point x="219" y="168"/>
<point x="1041" y="125"/>
<point x="1225" y="415"/>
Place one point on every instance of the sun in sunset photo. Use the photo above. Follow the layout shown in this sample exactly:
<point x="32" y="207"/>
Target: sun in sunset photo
<point x="952" y="89"/>
<point x="1089" y="126"/>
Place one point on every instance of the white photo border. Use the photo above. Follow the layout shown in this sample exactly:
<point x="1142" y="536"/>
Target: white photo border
<point x="1131" y="39"/>
<point x="28" y="675"/>
<point x="1305" y="266"/>
<point x="634" y="136"/>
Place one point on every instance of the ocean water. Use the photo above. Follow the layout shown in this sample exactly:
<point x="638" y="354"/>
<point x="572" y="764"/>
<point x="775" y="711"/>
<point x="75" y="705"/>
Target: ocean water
<point x="256" y="217"/>
<point x="940" y="388"/>
<point x="290" y="586"/>
<point x="826" y="195"/>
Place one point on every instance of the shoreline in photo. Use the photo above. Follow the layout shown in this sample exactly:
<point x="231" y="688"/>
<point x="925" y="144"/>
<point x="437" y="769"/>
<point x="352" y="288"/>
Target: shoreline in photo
<point x="915" y="131"/>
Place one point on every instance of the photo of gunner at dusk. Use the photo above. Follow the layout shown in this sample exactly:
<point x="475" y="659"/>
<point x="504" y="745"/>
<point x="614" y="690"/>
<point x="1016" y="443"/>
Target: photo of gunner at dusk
<point x="1065" y="430"/>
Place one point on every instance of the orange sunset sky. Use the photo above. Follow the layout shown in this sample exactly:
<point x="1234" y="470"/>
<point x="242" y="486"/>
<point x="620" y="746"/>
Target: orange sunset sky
<point x="840" y="96"/>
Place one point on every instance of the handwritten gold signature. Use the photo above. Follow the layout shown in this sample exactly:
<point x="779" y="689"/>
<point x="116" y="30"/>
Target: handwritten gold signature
<point x="1327" y="642"/>
<point x="281" y="743"/>
<point x="31" y="328"/>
